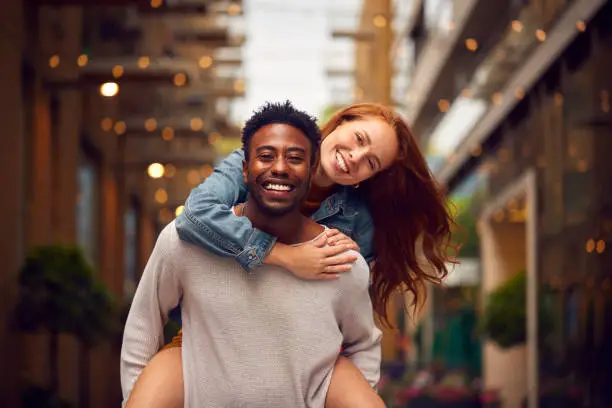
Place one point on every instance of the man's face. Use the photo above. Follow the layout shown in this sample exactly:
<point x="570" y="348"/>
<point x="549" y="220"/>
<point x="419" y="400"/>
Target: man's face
<point x="278" y="170"/>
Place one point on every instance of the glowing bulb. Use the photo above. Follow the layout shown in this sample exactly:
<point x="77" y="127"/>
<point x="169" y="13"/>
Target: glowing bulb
<point x="106" y="124"/>
<point x="120" y="127"/>
<point x="161" y="196"/>
<point x="380" y="21"/>
<point x="443" y="105"/>
<point x="196" y="124"/>
<point x="193" y="177"/>
<point x="144" y="62"/>
<point x="581" y="26"/>
<point x="167" y="133"/>
<point x="82" y="60"/>
<point x="155" y="170"/>
<point x="179" y="210"/>
<point x="205" y="62"/>
<point x="471" y="44"/>
<point x="54" y="61"/>
<point x="541" y="35"/>
<point x="169" y="171"/>
<point x="517" y="26"/>
<point x="117" y="71"/>
<point x="109" y="89"/>
<point x="150" y="124"/>
<point x="156" y="3"/>
<point x="239" y="86"/>
<point x="180" y="79"/>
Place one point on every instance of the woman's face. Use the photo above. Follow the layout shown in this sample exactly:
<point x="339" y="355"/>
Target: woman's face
<point x="357" y="150"/>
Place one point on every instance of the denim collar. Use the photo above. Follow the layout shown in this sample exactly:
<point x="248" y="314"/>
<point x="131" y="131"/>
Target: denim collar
<point x="345" y="200"/>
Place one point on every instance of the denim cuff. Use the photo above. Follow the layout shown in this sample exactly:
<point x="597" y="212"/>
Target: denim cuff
<point x="260" y="243"/>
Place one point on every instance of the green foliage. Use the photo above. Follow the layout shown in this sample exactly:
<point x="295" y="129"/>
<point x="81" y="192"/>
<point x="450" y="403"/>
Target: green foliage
<point x="59" y="292"/>
<point x="505" y="316"/>
<point x="504" y="319"/>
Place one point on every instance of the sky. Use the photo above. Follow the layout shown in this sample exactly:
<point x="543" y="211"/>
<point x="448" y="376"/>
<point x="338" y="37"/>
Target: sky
<point x="288" y="50"/>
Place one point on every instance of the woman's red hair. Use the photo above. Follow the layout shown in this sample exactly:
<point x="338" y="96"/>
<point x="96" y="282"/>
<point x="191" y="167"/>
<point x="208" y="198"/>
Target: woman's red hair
<point x="408" y="209"/>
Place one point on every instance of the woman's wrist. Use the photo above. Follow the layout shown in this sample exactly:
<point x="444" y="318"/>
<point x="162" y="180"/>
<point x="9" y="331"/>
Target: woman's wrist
<point x="278" y="255"/>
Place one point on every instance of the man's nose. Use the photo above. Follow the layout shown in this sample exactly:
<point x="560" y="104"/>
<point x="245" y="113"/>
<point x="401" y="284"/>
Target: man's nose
<point x="280" y="166"/>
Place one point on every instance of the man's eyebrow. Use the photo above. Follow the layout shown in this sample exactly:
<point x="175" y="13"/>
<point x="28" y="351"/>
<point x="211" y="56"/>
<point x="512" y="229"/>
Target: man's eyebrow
<point x="265" y="147"/>
<point x="296" y="150"/>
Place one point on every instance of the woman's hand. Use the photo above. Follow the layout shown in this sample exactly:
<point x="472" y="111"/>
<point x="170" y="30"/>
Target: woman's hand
<point x="323" y="258"/>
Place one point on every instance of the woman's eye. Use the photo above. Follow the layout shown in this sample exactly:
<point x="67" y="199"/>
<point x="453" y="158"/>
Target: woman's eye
<point x="371" y="164"/>
<point x="359" y="138"/>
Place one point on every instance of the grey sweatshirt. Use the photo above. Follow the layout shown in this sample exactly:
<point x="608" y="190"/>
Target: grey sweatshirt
<point x="265" y="339"/>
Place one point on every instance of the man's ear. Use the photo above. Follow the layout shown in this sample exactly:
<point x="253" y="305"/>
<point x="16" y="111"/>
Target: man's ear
<point x="245" y="172"/>
<point x="315" y="162"/>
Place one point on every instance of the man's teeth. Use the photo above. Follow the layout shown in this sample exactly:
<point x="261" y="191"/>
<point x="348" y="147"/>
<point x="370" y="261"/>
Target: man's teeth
<point x="277" y="187"/>
<point x="341" y="162"/>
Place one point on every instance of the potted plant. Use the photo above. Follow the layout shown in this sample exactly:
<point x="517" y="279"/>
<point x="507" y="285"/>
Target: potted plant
<point x="60" y="293"/>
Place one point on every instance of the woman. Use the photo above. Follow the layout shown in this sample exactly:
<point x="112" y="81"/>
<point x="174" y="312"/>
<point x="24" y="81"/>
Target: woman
<point x="372" y="185"/>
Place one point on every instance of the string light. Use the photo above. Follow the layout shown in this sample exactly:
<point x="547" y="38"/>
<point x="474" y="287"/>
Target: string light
<point x="117" y="71"/>
<point x="82" y="60"/>
<point x="193" y="177"/>
<point x="167" y="133"/>
<point x="196" y="124"/>
<point x="156" y="3"/>
<point x="106" y="124"/>
<point x="601" y="246"/>
<point x="517" y="26"/>
<point x="161" y="196"/>
<point x="380" y="21"/>
<point x="169" y="171"/>
<point x="180" y="79"/>
<point x="150" y="124"/>
<point x="443" y="105"/>
<point x="143" y="62"/>
<point x="179" y="210"/>
<point x="120" y="127"/>
<point x="519" y="93"/>
<point x="54" y="61"/>
<point x="205" y="62"/>
<point x="590" y="245"/>
<point x="471" y="44"/>
<point x="581" y="26"/>
<point x="109" y="89"/>
<point x="239" y="86"/>
<point x="541" y="35"/>
<point x="155" y="170"/>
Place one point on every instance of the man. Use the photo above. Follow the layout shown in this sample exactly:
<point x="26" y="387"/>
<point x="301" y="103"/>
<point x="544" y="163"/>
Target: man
<point x="256" y="340"/>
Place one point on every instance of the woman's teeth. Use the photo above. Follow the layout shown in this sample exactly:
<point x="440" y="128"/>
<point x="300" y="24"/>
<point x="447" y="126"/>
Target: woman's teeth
<point x="341" y="163"/>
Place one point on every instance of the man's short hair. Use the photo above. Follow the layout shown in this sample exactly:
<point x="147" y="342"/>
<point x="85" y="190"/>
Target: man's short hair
<point x="284" y="113"/>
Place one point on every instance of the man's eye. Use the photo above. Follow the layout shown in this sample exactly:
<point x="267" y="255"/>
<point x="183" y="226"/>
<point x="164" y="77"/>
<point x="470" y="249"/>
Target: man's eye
<point x="296" y="159"/>
<point x="266" y="157"/>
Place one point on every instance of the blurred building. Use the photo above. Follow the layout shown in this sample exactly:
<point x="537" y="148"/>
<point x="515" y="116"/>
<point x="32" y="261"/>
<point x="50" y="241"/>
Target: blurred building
<point x="111" y="111"/>
<point x="511" y="102"/>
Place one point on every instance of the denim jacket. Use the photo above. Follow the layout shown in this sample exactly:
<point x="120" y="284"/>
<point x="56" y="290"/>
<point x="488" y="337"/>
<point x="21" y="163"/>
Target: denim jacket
<point x="208" y="220"/>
